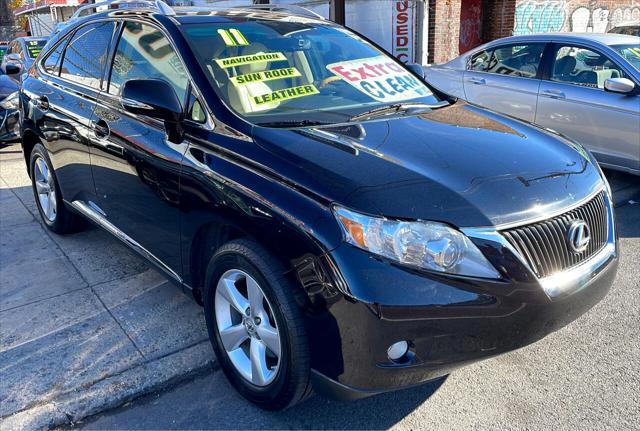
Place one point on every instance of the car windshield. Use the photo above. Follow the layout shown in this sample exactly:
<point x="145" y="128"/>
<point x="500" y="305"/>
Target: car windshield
<point x="34" y="47"/>
<point x="631" y="53"/>
<point x="300" y="71"/>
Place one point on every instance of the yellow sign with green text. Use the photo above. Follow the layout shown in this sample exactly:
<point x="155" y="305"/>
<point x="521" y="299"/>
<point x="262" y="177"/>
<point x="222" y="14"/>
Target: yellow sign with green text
<point x="285" y="94"/>
<point x="267" y="75"/>
<point x="242" y="60"/>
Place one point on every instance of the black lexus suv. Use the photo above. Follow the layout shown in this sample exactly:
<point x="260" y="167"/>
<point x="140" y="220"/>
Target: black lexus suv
<point x="345" y="226"/>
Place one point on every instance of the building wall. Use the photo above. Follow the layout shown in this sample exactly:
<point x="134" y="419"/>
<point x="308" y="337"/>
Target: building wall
<point x="444" y="30"/>
<point x="499" y="18"/>
<point x="542" y="16"/>
<point x="449" y="27"/>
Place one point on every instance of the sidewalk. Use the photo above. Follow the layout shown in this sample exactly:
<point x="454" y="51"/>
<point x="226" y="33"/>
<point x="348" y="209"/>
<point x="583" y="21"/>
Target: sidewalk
<point x="85" y="324"/>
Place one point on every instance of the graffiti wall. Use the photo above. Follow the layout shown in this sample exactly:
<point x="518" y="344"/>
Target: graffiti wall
<point x="543" y="16"/>
<point x="470" y="24"/>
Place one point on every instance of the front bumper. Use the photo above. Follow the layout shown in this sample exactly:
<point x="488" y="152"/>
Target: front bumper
<point x="448" y="322"/>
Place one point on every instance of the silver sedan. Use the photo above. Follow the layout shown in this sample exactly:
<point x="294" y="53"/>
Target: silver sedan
<point x="584" y="86"/>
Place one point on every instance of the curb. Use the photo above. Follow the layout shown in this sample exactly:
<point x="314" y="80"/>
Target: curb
<point x="116" y="390"/>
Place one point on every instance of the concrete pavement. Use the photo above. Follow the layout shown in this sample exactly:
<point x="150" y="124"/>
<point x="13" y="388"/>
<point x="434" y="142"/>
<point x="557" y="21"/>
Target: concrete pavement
<point x="85" y="324"/>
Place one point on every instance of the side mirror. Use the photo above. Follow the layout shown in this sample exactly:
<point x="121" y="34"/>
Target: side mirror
<point x="417" y="69"/>
<point x="619" y="85"/>
<point x="12" y="69"/>
<point x="152" y="97"/>
<point x="156" y="99"/>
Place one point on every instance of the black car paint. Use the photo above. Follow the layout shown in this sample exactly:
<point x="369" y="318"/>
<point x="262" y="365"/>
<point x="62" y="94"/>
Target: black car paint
<point x="461" y="165"/>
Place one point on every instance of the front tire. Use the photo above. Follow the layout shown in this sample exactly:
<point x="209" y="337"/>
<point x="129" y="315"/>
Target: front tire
<point x="256" y="327"/>
<point x="53" y="211"/>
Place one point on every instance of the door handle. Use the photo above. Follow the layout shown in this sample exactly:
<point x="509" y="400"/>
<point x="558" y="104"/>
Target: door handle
<point x="477" y="81"/>
<point x="42" y="103"/>
<point x="101" y="129"/>
<point x="554" y="94"/>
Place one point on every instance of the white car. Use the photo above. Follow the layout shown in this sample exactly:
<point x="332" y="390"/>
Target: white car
<point x="584" y="86"/>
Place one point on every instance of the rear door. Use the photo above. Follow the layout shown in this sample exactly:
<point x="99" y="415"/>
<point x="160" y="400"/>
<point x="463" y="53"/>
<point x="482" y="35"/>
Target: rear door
<point x="506" y="78"/>
<point x="136" y="167"/>
<point x="62" y="101"/>
<point x="573" y="102"/>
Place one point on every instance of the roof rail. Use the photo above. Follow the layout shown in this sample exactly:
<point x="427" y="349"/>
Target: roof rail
<point x="160" y="5"/>
<point x="164" y="8"/>
<point x="294" y="9"/>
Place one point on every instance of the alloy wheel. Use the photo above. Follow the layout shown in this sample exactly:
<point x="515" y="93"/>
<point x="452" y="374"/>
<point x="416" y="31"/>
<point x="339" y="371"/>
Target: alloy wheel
<point x="45" y="188"/>
<point x="247" y="327"/>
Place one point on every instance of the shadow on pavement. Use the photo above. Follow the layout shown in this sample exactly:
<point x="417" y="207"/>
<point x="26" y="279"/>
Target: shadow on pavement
<point x="210" y="402"/>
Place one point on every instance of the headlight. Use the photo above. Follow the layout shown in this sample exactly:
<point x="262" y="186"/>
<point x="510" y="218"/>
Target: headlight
<point x="10" y="102"/>
<point x="422" y="244"/>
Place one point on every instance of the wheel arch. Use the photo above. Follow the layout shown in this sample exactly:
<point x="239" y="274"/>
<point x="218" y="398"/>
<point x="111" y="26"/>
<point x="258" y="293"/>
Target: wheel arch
<point x="29" y="140"/>
<point x="296" y="251"/>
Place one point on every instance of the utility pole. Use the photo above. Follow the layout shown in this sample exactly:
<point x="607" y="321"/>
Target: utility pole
<point x="337" y="11"/>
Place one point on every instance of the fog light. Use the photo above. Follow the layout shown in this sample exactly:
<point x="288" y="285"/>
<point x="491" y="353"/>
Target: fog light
<point x="396" y="351"/>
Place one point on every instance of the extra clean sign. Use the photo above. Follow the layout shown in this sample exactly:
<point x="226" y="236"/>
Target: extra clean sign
<point x="381" y="79"/>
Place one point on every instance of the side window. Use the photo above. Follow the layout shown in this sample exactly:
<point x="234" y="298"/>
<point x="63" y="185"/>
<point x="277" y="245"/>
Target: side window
<point x="480" y="61"/>
<point x="51" y="63"/>
<point x="584" y="67"/>
<point x="144" y="52"/>
<point x="86" y="54"/>
<point x="517" y="60"/>
<point x="196" y="110"/>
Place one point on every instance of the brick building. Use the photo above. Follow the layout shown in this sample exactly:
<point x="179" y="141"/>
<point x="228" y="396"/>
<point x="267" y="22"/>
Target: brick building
<point x="458" y="25"/>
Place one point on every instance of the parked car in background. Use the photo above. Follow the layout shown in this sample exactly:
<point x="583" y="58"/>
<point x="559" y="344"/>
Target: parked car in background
<point x="584" y="86"/>
<point x="629" y="28"/>
<point x="21" y="54"/>
<point x="3" y="50"/>
<point x="345" y="227"/>
<point x="9" y="124"/>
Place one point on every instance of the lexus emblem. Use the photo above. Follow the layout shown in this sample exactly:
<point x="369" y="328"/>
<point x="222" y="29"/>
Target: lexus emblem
<point x="579" y="236"/>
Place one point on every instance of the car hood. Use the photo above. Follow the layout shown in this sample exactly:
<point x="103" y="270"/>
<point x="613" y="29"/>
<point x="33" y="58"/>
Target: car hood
<point x="460" y="164"/>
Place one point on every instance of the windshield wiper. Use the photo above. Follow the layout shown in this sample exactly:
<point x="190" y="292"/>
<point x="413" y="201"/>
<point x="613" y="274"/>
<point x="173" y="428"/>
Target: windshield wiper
<point x="397" y="108"/>
<point x="300" y="123"/>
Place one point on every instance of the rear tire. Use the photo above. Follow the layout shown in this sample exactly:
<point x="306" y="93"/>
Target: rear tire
<point x="53" y="211"/>
<point x="241" y="267"/>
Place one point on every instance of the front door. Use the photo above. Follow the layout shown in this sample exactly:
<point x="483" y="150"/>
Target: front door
<point x="573" y="102"/>
<point x="136" y="168"/>
<point x="506" y="79"/>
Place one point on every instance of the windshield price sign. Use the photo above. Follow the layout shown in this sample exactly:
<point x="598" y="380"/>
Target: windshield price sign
<point x="243" y="60"/>
<point x="267" y="75"/>
<point x="380" y="79"/>
<point x="34" y="47"/>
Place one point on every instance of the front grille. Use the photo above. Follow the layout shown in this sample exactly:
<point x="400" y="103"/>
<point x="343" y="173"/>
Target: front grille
<point x="545" y="246"/>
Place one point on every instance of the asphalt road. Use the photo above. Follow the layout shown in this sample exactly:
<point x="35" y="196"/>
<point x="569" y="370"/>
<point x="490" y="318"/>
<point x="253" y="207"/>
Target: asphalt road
<point x="585" y="376"/>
